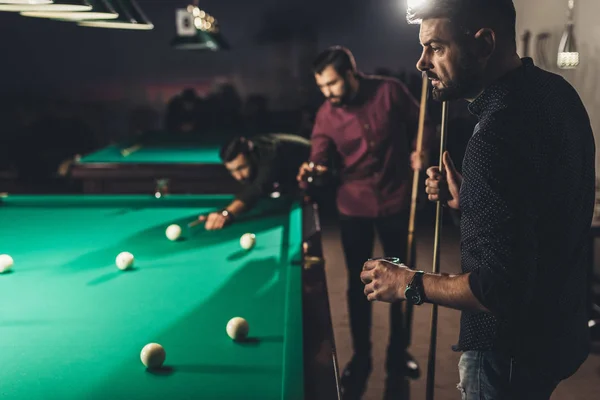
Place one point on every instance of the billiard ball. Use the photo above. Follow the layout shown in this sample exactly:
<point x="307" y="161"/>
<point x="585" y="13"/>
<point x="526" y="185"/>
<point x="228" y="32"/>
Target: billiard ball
<point x="153" y="355"/>
<point x="247" y="241"/>
<point x="6" y="263"/>
<point x="124" y="260"/>
<point x="173" y="232"/>
<point x="237" y="328"/>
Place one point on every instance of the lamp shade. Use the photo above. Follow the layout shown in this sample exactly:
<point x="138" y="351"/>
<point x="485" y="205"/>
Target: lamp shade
<point x="130" y="17"/>
<point x="197" y="30"/>
<point x="101" y="9"/>
<point x="47" y="5"/>
<point x="25" y="1"/>
<point x="568" y="55"/>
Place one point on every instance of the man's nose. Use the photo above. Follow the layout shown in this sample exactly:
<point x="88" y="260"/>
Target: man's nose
<point x="424" y="64"/>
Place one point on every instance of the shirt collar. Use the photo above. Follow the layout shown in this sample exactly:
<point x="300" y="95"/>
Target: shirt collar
<point x="492" y="98"/>
<point x="362" y="93"/>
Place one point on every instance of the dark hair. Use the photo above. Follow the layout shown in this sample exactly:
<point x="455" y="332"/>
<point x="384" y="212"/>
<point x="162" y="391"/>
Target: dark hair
<point x="340" y="58"/>
<point x="235" y="147"/>
<point x="468" y="15"/>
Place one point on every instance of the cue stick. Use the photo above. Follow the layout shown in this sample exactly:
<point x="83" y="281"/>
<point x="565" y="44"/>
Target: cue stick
<point x="411" y="248"/>
<point x="195" y="223"/>
<point x="130" y="150"/>
<point x="198" y="221"/>
<point x="436" y="263"/>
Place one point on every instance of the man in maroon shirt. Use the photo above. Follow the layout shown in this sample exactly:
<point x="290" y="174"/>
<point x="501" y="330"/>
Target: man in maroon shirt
<point x="369" y="125"/>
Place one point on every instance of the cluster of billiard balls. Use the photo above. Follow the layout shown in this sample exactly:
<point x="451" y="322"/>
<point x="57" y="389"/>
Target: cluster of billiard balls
<point x="153" y="355"/>
<point x="174" y="231"/>
<point x="125" y="259"/>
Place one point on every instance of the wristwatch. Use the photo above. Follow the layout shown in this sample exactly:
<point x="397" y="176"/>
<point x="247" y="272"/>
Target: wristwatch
<point x="414" y="292"/>
<point x="228" y="216"/>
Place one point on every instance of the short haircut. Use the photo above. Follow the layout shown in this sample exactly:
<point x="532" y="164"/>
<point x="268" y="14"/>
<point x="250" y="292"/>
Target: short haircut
<point x="340" y="58"/>
<point x="235" y="147"/>
<point x="468" y="15"/>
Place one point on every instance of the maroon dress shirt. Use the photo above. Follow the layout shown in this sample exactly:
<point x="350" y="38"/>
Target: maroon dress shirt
<point x="373" y="137"/>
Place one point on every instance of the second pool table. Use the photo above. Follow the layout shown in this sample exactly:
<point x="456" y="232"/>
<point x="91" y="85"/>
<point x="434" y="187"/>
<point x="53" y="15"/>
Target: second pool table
<point x="73" y="325"/>
<point x="157" y="162"/>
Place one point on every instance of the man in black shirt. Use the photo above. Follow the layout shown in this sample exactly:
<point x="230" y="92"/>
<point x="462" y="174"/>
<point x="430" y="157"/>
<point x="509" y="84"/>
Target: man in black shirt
<point x="265" y="164"/>
<point x="526" y="199"/>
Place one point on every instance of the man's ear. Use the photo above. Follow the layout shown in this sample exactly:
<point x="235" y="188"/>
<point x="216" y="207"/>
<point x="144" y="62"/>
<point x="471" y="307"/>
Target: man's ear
<point x="485" y="40"/>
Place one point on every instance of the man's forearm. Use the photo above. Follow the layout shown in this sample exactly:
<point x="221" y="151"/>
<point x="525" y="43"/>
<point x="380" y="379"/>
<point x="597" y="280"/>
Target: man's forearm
<point x="236" y="207"/>
<point x="452" y="291"/>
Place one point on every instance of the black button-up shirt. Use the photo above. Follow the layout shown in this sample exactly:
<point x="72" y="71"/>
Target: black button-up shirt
<point x="527" y="202"/>
<point x="276" y="159"/>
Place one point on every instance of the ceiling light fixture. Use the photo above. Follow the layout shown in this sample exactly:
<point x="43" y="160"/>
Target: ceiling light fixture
<point x="46" y="5"/>
<point x="197" y="30"/>
<point x="130" y="17"/>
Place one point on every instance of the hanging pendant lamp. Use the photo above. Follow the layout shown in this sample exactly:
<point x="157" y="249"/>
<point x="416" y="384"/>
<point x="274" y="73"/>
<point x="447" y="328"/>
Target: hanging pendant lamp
<point x="25" y="1"/>
<point x="101" y="9"/>
<point x="130" y="17"/>
<point x="45" y="5"/>
<point x="568" y="55"/>
<point x="197" y="30"/>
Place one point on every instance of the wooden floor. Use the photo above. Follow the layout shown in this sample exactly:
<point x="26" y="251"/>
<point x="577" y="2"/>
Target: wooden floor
<point x="584" y="385"/>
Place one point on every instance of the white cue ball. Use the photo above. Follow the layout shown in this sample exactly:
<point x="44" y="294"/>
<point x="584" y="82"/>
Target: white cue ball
<point x="124" y="260"/>
<point x="6" y="263"/>
<point x="173" y="232"/>
<point x="247" y="241"/>
<point x="153" y="355"/>
<point x="238" y="328"/>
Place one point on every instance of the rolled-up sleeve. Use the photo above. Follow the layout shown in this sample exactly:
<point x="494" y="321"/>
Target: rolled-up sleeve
<point x="501" y="240"/>
<point x="320" y="140"/>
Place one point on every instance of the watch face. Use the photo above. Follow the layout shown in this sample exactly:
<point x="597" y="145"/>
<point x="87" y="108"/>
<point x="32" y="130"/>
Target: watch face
<point x="412" y="296"/>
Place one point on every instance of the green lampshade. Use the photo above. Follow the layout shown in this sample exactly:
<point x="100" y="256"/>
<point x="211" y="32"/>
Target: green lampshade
<point x="101" y="9"/>
<point x="131" y="17"/>
<point x="47" y="5"/>
<point x="197" y="30"/>
<point x="200" y="41"/>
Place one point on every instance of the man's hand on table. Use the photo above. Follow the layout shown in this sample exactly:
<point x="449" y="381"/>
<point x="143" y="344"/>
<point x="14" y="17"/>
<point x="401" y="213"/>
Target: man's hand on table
<point x="214" y="221"/>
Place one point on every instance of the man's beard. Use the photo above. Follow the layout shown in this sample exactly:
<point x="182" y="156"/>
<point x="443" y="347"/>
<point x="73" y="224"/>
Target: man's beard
<point x="344" y="99"/>
<point x="462" y="86"/>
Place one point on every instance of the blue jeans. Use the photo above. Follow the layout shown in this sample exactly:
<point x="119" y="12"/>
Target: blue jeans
<point x="489" y="375"/>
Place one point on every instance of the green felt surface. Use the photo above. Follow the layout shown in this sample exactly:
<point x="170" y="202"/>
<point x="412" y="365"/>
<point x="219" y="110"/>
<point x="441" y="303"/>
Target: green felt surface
<point x="73" y="325"/>
<point x="163" y="147"/>
<point x="155" y="155"/>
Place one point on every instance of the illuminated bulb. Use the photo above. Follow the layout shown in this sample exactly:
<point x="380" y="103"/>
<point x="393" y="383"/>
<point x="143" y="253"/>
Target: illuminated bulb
<point x="415" y="3"/>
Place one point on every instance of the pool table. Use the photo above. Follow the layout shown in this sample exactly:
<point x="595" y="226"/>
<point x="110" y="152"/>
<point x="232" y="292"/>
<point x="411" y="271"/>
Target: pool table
<point x="157" y="162"/>
<point x="73" y="324"/>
